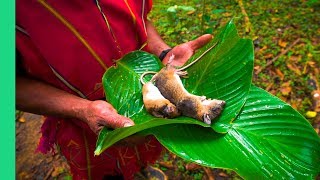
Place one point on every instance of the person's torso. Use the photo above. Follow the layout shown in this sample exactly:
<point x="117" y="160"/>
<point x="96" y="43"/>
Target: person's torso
<point x="74" y="42"/>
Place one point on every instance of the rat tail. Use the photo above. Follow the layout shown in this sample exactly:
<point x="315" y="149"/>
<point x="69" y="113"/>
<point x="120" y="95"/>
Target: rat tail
<point x="144" y="74"/>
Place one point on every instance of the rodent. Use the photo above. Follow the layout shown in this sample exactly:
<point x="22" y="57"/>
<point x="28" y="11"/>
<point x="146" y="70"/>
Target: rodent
<point x="169" y="84"/>
<point x="156" y="104"/>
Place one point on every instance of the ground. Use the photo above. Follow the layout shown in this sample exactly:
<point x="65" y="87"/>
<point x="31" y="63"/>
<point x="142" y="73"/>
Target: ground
<point x="29" y="163"/>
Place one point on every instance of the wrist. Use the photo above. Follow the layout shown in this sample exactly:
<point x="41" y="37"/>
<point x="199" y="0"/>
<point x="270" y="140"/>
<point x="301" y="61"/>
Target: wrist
<point x="164" y="53"/>
<point x="80" y="110"/>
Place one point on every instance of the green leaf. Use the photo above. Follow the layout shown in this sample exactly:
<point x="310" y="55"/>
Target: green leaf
<point x="123" y="90"/>
<point x="108" y="137"/>
<point x="175" y="8"/>
<point x="122" y="82"/>
<point x="224" y="73"/>
<point x="269" y="139"/>
<point x="218" y="11"/>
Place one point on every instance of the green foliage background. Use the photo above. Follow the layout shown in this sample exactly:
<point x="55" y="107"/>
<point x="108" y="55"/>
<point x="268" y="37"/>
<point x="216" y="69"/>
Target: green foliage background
<point x="271" y="22"/>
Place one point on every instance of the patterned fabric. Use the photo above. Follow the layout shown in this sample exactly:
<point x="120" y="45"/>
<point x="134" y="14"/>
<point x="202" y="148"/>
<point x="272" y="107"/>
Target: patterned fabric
<point x="77" y="145"/>
<point x="70" y="44"/>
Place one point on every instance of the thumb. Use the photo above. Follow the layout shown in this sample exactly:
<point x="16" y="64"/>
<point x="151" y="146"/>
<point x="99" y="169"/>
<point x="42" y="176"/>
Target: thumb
<point x="200" y="41"/>
<point x="118" y="121"/>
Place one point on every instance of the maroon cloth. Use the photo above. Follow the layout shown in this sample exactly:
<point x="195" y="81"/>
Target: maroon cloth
<point x="69" y="44"/>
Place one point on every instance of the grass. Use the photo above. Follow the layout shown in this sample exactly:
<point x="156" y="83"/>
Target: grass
<point x="272" y="25"/>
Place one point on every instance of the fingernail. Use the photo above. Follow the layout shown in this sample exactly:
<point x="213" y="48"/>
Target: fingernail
<point x="127" y="125"/>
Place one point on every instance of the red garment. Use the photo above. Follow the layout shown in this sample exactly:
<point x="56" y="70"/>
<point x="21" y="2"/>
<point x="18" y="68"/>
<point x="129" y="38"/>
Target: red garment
<point x="72" y="36"/>
<point x="69" y="44"/>
<point x="77" y="144"/>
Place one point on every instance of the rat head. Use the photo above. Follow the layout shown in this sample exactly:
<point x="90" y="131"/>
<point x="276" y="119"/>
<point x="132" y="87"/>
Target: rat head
<point x="170" y="111"/>
<point x="165" y="110"/>
<point x="213" y="109"/>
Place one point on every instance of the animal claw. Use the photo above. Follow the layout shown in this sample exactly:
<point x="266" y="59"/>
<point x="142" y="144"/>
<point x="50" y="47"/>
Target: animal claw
<point x="202" y="98"/>
<point x="222" y="103"/>
<point x="206" y="119"/>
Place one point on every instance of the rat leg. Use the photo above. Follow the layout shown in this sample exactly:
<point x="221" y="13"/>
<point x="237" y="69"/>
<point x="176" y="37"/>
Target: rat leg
<point x="206" y="119"/>
<point x="203" y="98"/>
<point x="182" y="73"/>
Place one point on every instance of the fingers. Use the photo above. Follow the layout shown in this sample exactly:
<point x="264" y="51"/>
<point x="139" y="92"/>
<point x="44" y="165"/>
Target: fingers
<point x="200" y="41"/>
<point x="117" y="121"/>
<point x="112" y="121"/>
<point x="100" y="113"/>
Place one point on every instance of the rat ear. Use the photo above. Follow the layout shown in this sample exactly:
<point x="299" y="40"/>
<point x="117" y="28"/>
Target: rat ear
<point x="206" y="119"/>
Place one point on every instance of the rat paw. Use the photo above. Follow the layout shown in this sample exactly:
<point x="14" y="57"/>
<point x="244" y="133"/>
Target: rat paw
<point x="206" y="119"/>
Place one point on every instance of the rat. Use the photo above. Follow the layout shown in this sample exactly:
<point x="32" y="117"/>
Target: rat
<point x="168" y="83"/>
<point x="156" y="104"/>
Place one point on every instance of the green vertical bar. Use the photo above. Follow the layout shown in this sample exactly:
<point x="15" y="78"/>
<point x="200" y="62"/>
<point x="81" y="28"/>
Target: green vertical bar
<point x="7" y="89"/>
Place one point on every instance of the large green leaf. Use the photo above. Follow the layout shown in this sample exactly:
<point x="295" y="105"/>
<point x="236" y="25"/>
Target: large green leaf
<point x="225" y="73"/>
<point x="109" y="137"/>
<point x="269" y="139"/>
<point x="124" y="91"/>
<point x="122" y="82"/>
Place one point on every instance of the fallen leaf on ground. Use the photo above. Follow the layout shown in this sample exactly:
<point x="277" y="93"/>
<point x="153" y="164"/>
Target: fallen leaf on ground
<point x="222" y="174"/>
<point x="256" y="67"/>
<point x="268" y="56"/>
<point x="282" y="43"/>
<point x="190" y="12"/>
<point x="227" y="14"/>
<point x="263" y="48"/>
<point x="280" y="74"/>
<point x="311" y="63"/>
<point x="270" y="85"/>
<point x="166" y="164"/>
<point x="192" y="166"/>
<point x="295" y="58"/>
<point x="255" y="13"/>
<point x="285" y="88"/>
<point x="294" y="68"/>
<point x="208" y="173"/>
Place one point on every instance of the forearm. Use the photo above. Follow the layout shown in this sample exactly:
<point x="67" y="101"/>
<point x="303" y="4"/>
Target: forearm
<point x="155" y="42"/>
<point x="40" y="98"/>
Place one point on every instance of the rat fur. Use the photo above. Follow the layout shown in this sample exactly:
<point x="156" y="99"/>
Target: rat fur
<point x="199" y="107"/>
<point x="169" y="98"/>
<point x="156" y="104"/>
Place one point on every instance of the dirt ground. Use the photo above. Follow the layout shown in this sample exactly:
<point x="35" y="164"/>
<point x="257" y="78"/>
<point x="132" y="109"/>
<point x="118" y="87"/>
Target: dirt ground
<point x="30" y="164"/>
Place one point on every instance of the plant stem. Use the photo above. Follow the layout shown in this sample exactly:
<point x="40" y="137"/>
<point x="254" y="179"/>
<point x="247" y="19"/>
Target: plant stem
<point x="203" y="13"/>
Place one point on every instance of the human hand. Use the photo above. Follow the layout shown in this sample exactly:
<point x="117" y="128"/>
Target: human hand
<point x="100" y="113"/>
<point x="184" y="51"/>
